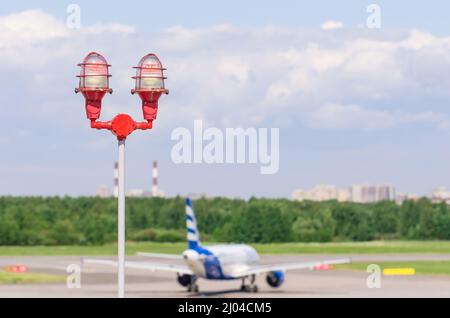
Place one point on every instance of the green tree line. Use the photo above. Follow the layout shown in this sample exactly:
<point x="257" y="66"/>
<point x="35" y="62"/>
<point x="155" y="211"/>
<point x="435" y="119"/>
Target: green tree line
<point x="91" y="220"/>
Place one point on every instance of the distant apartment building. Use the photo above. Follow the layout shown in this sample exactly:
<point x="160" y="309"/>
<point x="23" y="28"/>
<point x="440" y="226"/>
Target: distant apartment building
<point x="102" y="191"/>
<point x="369" y="194"/>
<point x="343" y="195"/>
<point x="359" y="193"/>
<point x="364" y="193"/>
<point x="298" y="195"/>
<point x="141" y="193"/>
<point x="402" y="197"/>
<point x="440" y="194"/>
<point x="321" y="192"/>
<point x="137" y="193"/>
<point x="386" y="193"/>
<point x="356" y="193"/>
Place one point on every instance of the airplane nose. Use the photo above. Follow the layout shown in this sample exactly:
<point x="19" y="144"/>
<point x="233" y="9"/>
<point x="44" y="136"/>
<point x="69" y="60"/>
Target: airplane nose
<point x="190" y="255"/>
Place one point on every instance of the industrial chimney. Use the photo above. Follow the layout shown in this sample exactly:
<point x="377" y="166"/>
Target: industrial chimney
<point x="155" y="179"/>
<point x="116" y="180"/>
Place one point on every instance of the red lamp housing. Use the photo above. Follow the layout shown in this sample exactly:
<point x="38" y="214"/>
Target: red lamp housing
<point x="149" y="84"/>
<point x="94" y="83"/>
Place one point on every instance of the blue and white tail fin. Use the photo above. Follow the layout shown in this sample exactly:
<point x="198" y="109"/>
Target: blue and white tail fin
<point x="193" y="236"/>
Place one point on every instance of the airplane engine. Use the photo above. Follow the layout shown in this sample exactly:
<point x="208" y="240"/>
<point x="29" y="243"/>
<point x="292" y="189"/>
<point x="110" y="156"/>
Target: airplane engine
<point x="185" y="280"/>
<point x="275" y="279"/>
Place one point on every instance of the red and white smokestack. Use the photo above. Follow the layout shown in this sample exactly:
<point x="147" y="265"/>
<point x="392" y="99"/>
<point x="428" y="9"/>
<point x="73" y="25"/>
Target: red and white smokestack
<point x="155" y="179"/>
<point x="116" y="180"/>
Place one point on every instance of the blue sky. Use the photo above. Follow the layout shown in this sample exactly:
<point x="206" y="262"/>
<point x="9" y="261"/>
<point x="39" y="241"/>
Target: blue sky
<point x="430" y="15"/>
<point x="353" y="105"/>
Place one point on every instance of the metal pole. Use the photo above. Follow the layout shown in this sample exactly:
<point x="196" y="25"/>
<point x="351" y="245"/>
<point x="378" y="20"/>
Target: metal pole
<point x="121" y="221"/>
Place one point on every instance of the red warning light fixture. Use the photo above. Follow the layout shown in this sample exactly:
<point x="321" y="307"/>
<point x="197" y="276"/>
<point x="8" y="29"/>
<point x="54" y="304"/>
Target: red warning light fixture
<point x="94" y="84"/>
<point x="149" y="84"/>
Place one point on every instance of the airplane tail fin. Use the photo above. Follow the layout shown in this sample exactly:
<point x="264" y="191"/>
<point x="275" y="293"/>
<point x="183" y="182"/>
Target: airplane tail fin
<point x="193" y="234"/>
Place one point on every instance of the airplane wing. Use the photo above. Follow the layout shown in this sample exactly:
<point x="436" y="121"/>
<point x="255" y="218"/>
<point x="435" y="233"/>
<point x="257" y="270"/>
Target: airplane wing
<point x="181" y="269"/>
<point x="159" y="255"/>
<point x="259" y="269"/>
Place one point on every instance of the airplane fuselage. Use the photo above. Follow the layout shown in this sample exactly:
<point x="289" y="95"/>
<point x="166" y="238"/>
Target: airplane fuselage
<point x="220" y="261"/>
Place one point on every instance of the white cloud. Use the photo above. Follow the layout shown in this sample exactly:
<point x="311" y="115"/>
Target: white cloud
<point x="351" y="117"/>
<point x="29" y="27"/>
<point x="109" y="28"/>
<point x="183" y="38"/>
<point x="418" y="40"/>
<point x="332" y="25"/>
<point x="35" y="26"/>
<point x="336" y="116"/>
<point x="235" y="69"/>
<point x="424" y="117"/>
<point x="228" y="74"/>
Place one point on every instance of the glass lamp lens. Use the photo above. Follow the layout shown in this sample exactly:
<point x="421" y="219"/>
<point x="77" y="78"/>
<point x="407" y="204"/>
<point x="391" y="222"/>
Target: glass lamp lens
<point x="95" y="82"/>
<point x="94" y="73"/>
<point x="150" y="75"/>
<point x="151" y="83"/>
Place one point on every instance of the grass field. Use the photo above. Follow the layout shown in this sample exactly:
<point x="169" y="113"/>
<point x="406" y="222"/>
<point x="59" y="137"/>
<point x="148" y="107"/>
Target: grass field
<point x="29" y="278"/>
<point x="375" y="247"/>
<point x="421" y="267"/>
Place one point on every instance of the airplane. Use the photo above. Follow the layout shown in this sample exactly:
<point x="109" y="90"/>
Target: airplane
<point x="218" y="262"/>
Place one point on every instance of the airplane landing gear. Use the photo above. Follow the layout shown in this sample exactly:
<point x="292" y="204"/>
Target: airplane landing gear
<point x="252" y="287"/>
<point x="193" y="287"/>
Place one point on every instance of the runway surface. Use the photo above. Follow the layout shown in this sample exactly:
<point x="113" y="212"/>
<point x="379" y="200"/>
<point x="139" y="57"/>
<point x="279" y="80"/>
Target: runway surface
<point x="100" y="281"/>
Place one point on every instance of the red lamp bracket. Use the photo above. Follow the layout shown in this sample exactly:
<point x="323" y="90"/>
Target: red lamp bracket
<point x="121" y="126"/>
